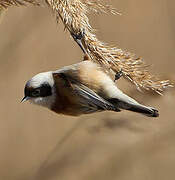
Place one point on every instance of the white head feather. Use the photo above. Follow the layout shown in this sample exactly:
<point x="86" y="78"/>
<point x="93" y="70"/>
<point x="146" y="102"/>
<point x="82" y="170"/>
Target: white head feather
<point x="37" y="81"/>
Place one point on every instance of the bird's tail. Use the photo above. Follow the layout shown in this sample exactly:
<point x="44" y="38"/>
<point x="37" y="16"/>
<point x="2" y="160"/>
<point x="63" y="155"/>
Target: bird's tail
<point x="135" y="107"/>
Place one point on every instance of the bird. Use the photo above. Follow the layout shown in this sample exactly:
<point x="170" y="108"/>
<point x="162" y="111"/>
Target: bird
<point x="81" y="88"/>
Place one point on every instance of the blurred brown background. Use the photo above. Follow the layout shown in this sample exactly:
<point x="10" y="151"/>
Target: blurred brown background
<point x="35" y="143"/>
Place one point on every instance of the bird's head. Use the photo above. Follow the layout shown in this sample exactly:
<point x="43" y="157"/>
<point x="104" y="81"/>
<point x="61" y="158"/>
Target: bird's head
<point x="40" y="90"/>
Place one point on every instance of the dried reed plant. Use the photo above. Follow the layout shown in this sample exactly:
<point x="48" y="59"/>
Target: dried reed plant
<point x="7" y="3"/>
<point x="74" y="15"/>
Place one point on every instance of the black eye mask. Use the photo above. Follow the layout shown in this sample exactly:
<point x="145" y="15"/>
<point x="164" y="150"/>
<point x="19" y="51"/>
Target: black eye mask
<point x="43" y="91"/>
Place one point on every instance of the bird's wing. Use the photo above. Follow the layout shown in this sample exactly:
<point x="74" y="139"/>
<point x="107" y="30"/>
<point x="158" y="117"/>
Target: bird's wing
<point x="90" y="100"/>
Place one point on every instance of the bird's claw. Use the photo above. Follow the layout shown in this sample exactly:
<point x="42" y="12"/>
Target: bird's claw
<point x="78" y="39"/>
<point x="118" y="75"/>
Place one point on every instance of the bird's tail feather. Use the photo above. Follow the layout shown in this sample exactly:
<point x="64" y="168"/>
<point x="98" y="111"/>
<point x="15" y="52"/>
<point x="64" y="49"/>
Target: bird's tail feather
<point x="148" y="111"/>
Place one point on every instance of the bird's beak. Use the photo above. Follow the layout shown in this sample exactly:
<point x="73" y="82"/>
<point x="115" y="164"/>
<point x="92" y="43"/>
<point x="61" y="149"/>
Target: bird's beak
<point x="25" y="99"/>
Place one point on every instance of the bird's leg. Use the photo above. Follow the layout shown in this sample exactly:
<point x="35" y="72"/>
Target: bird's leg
<point x="86" y="57"/>
<point x="78" y="39"/>
<point x="118" y="75"/>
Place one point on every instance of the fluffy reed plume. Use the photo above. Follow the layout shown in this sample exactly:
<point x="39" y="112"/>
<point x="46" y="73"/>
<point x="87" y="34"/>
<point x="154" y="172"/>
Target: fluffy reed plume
<point x="73" y="14"/>
<point x="6" y="3"/>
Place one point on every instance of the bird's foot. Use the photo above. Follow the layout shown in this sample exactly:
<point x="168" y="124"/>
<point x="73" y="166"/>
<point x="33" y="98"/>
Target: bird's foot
<point x="118" y="75"/>
<point x="78" y="39"/>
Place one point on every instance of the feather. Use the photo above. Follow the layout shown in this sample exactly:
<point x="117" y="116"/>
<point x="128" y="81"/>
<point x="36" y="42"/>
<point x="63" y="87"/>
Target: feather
<point x="89" y="100"/>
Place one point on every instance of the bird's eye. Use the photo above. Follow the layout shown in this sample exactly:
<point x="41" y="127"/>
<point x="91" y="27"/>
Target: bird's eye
<point x="36" y="93"/>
